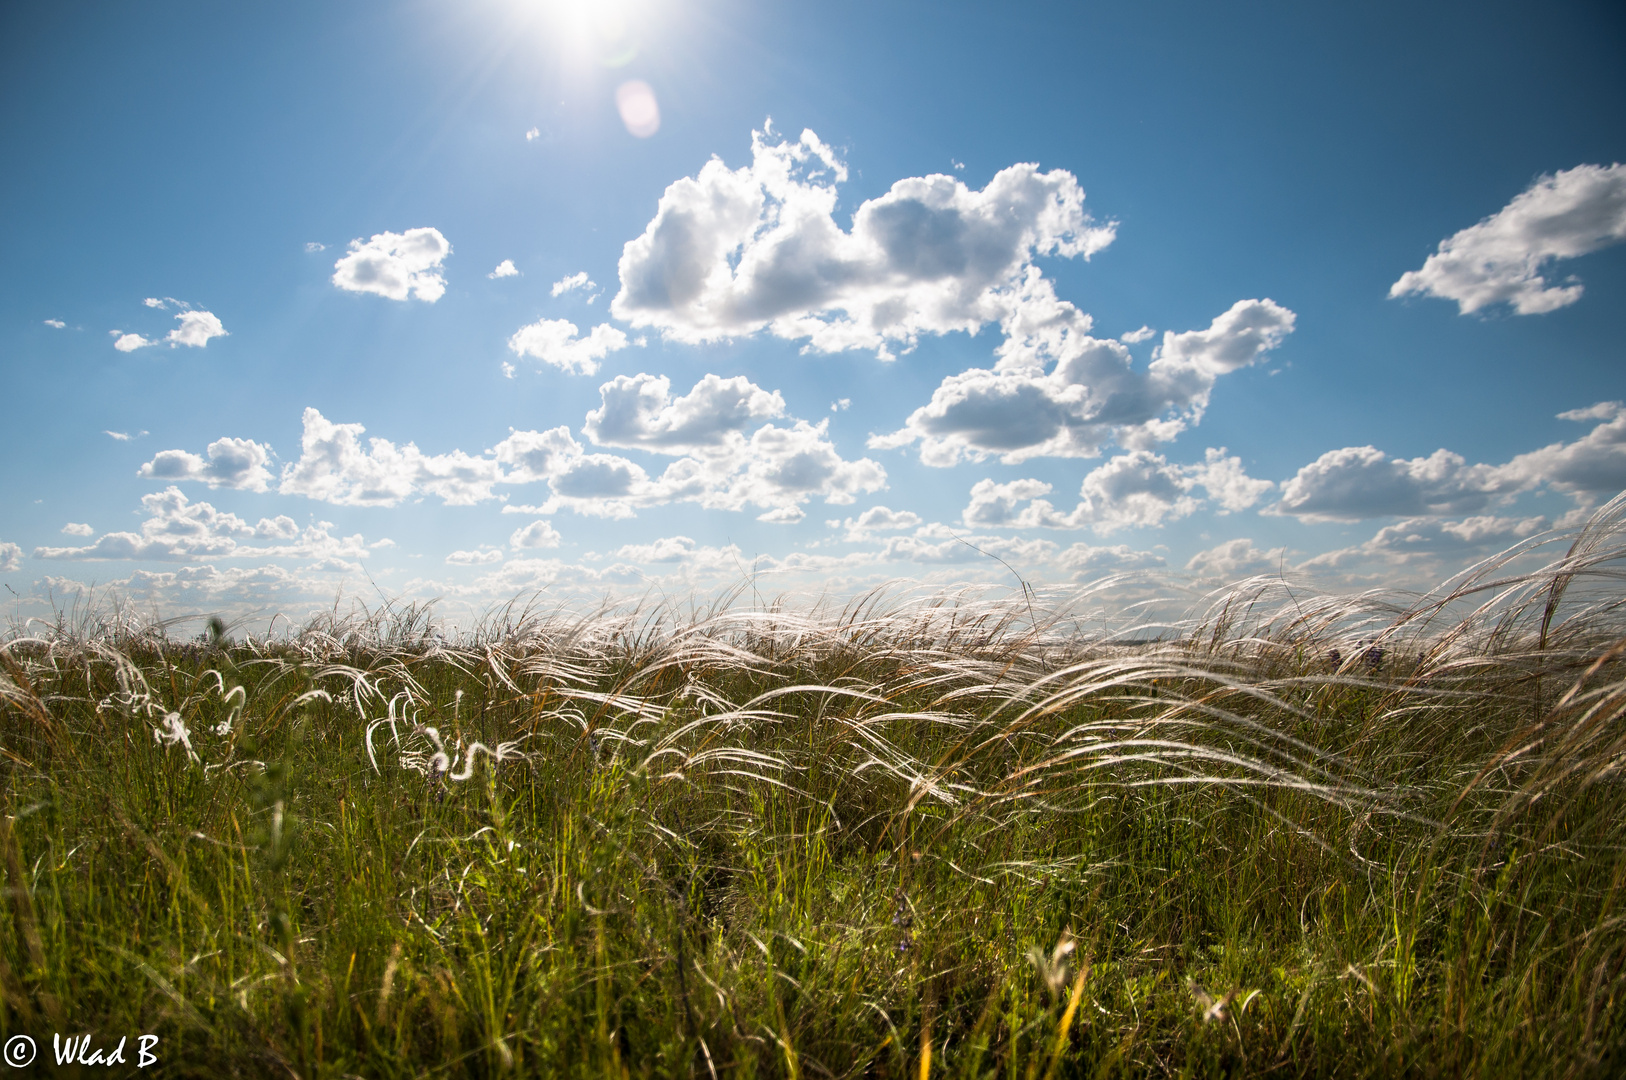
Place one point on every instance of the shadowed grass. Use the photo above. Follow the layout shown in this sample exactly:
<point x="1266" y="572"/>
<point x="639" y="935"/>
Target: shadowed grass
<point x="924" y="834"/>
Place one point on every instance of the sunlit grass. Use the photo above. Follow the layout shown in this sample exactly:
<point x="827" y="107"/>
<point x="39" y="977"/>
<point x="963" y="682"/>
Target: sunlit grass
<point x="913" y="836"/>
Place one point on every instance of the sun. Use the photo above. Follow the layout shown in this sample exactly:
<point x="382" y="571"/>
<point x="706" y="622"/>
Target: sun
<point x="607" y="32"/>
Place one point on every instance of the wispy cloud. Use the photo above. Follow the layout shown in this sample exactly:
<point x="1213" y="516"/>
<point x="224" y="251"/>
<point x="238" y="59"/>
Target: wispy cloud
<point x="479" y="557"/>
<point x="578" y="280"/>
<point x="197" y="327"/>
<point x="56" y="324"/>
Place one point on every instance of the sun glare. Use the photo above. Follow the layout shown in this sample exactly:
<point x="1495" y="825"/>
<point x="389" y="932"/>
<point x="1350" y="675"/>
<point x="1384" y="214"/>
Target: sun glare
<point x="606" y="32"/>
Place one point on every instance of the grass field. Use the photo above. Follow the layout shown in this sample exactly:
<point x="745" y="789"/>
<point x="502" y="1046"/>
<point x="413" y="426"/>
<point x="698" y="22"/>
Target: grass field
<point x="915" y="836"/>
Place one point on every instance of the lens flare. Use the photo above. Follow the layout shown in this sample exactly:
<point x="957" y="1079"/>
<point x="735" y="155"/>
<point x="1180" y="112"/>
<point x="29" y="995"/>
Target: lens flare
<point x="639" y="110"/>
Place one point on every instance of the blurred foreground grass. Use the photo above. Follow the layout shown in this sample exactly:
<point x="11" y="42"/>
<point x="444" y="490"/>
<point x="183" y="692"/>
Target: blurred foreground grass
<point x="1309" y="836"/>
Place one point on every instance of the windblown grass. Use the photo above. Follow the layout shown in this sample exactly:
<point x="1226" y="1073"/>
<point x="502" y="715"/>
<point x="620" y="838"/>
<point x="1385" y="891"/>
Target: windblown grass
<point x="918" y="835"/>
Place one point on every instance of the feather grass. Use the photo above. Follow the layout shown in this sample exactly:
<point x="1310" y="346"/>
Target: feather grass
<point x="829" y="839"/>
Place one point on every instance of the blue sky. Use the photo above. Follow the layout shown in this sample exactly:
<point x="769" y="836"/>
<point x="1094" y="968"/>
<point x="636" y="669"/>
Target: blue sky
<point x="1237" y="277"/>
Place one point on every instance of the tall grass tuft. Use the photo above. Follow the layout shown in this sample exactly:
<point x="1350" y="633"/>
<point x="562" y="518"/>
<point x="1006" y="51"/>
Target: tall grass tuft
<point x="919" y="834"/>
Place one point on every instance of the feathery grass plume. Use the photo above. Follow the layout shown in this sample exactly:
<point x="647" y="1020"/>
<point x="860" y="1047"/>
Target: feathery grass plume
<point x="826" y="837"/>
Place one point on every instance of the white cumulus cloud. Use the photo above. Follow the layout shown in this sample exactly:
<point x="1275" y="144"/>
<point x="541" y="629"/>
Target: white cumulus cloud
<point x="554" y="341"/>
<point x="713" y="458"/>
<point x="779" y="467"/>
<point x="720" y="462"/>
<point x="1358" y="482"/>
<point x="538" y="534"/>
<point x="506" y="268"/>
<point x="1139" y="489"/>
<point x="1456" y="539"/>
<point x="175" y="529"/>
<point x="196" y="328"/>
<point x="1056" y="391"/>
<point x="1085" y="561"/>
<point x="533" y="456"/>
<point x="1363" y="482"/>
<point x="1135" y="490"/>
<point x="75" y="528"/>
<point x="937" y="544"/>
<point x="667" y="549"/>
<point x="283" y="527"/>
<point x="732" y="252"/>
<point x="334" y="467"/>
<point x="1234" y="559"/>
<point x="1502" y="258"/>
<point x="1226" y="482"/>
<point x="234" y="463"/>
<point x="639" y="411"/>
<point x="396" y="265"/>
<point x="1436" y="545"/>
<point x="877" y="519"/>
<point x="1593" y="465"/>
<point x="11" y="557"/>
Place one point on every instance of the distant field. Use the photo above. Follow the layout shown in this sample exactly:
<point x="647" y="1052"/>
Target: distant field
<point x="1309" y="836"/>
